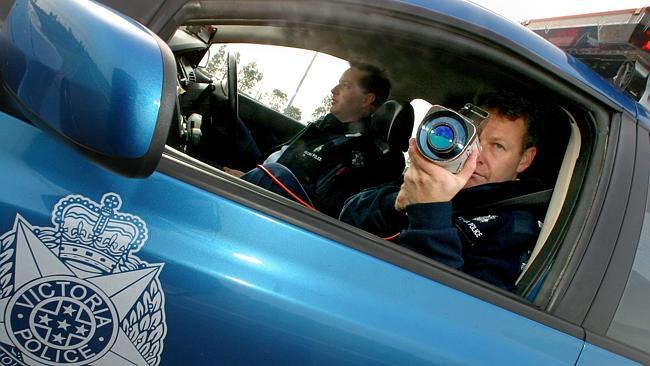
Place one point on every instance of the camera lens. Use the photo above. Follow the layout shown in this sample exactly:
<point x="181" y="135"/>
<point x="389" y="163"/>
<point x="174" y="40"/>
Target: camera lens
<point x="441" y="137"/>
<point x="444" y="136"/>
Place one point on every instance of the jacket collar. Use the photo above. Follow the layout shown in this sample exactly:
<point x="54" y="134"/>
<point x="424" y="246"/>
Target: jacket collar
<point x="330" y="122"/>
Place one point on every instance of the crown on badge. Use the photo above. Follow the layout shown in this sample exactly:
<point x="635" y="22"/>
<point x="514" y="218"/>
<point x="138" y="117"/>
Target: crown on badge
<point x="96" y="235"/>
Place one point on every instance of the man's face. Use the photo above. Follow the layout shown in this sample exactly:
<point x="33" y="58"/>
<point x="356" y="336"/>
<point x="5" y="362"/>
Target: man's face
<point x="502" y="156"/>
<point x="350" y="102"/>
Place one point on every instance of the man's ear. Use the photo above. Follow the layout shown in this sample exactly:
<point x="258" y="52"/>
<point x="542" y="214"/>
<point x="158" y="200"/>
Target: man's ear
<point x="369" y="99"/>
<point x="526" y="159"/>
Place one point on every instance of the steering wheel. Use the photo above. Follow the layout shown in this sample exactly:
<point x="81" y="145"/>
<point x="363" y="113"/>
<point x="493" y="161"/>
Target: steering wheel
<point x="233" y="97"/>
<point x="234" y="147"/>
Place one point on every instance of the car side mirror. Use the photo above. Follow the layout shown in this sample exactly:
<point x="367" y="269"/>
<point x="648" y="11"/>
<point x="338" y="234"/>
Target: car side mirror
<point x="99" y="79"/>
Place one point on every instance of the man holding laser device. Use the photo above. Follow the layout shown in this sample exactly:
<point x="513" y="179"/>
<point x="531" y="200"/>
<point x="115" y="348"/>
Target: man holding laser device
<point x="491" y="244"/>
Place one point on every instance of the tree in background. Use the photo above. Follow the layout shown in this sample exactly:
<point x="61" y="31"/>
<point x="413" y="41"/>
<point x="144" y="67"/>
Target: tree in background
<point x="216" y="65"/>
<point x="323" y="108"/>
<point x="249" y="78"/>
<point x="248" y="75"/>
<point x="293" y="112"/>
<point x="277" y="99"/>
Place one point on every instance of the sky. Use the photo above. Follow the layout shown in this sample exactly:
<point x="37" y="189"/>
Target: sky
<point x="285" y="67"/>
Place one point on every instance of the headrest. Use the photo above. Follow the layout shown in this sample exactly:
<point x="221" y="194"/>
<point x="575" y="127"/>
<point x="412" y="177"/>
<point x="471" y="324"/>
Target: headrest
<point x="392" y="122"/>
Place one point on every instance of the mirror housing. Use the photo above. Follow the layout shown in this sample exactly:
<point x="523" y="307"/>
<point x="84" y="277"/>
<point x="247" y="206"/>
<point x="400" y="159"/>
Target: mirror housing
<point x="99" y="79"/>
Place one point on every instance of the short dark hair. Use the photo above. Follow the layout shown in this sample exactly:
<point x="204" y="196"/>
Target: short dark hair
<point x="513" y="105"/>
<point x="373" y="81"/>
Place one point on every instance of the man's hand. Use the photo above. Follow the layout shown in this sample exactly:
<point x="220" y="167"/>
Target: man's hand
<point x="233" y="172"/>
<point x="426" y="182"/>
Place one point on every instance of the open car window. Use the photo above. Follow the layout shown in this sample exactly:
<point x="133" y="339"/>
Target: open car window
<point x="295" y="82"/>
<point x="442" y="69"/>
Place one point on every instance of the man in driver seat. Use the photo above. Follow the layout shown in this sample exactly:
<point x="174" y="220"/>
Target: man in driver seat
<point x="336" y="156"/>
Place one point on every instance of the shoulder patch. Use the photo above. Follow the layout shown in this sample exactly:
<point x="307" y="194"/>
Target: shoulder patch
<point x="75" y="293"/>
<point x="468" y="228"/>
<point x="484" y="219"/>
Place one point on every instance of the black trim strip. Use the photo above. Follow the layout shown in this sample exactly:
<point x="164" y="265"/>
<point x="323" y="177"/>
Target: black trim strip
<point x="617" y="347"/>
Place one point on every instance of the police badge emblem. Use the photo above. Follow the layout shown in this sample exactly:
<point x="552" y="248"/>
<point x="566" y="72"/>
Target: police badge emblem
<point x="484" y="219"/>
<point x="75" y="293"/>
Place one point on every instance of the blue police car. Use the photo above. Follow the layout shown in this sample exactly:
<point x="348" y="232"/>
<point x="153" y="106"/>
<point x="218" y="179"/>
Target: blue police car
<point x="123" y="242"/>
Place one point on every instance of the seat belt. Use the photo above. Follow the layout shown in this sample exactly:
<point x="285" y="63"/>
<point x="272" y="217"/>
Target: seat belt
<point x="531" y="199"/>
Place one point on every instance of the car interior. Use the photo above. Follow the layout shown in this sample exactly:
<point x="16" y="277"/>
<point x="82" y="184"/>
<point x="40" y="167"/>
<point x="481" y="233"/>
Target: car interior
<point x="445" y="68"/>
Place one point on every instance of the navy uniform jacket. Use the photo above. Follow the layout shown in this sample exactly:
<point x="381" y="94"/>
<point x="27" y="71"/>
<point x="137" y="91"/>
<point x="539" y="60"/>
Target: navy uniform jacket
<point x="334" y="160"/>
<point x="492" y="245"/>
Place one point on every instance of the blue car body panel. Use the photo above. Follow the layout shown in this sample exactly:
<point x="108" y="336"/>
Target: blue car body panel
<point x="594" y="355"/>
<point x="240" y="287"/>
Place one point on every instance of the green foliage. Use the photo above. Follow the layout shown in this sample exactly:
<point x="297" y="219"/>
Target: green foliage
<point x="293" y="112"/>
<point x="277" y="99"/>
<point x="216" y="65"/>
<point x="323" y="108"/>
<point x="248" y="75"/>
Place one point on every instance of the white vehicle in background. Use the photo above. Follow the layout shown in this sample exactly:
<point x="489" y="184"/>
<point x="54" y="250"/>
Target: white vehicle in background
<point x="616" y="44"/>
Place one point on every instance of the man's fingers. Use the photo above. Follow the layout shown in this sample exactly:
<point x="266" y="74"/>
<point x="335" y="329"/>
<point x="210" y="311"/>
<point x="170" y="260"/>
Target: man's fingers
<point x="233" y="172"/>
<point x="423" y="166"/>
<point x="413" y="150"/>
<point x="418" y="160"/>
<point x="469" y="167"/>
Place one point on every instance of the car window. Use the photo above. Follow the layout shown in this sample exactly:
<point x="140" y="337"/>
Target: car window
<point x="295" y="82"/>
<point x="631" y="323"/>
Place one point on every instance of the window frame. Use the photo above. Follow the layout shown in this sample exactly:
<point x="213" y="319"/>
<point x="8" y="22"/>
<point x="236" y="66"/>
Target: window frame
<point x="590" y="169"/>
<point x="601" y="314"/>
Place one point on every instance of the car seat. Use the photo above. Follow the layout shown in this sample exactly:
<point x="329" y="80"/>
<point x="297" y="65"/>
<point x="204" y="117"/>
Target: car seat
<point x="569" y="157"/>
<point x="392" y="124"/>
